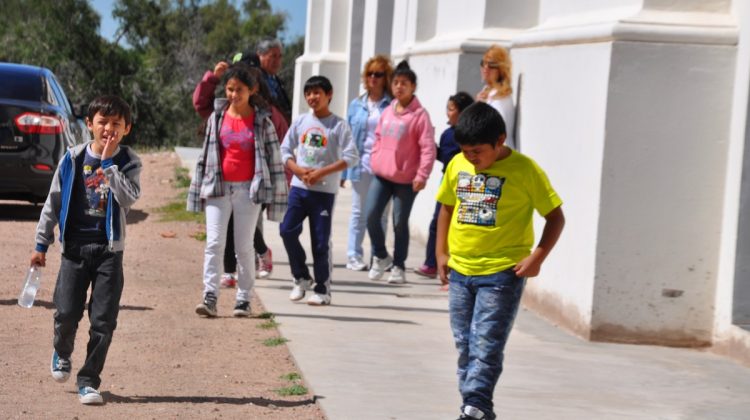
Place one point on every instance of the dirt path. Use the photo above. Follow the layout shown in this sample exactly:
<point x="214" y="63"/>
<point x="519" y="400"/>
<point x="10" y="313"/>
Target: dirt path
<point x="165" y="362"/>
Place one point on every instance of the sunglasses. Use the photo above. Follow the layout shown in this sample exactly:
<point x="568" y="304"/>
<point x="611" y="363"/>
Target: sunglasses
<point x="489" y="64"/>
<point x="375" y="74"/>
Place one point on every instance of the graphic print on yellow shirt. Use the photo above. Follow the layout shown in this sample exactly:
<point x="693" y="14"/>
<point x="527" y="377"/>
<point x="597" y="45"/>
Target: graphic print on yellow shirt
<point x="478" y="196"/>
<point x="492" y="224"/>
<point x="97" y="188"/>
<point x="312" y="146"/>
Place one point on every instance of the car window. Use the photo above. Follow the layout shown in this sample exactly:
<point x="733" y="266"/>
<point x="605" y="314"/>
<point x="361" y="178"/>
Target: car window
<point x="19" y="86"/>
<point x="62" y="99"/>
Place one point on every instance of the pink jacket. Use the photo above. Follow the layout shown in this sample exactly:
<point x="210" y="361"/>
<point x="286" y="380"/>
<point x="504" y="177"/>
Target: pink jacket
<point x="404" y="149"/>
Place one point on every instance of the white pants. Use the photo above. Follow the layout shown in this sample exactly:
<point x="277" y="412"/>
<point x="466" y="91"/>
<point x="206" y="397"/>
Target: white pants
<point x="218" y="209"/>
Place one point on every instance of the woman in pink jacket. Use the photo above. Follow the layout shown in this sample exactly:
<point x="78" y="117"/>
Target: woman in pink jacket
<point x="401" y="160"/>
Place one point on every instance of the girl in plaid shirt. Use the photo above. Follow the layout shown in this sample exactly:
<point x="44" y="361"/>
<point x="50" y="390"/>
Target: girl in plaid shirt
<point x="239" y="171"/>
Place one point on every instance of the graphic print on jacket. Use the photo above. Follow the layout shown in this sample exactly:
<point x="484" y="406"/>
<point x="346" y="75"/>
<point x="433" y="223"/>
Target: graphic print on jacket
<point x="312" y="146"/>
<point x="479" y="196"/>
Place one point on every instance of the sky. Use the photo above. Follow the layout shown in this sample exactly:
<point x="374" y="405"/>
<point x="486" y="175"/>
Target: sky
<point x="295" y="9"/>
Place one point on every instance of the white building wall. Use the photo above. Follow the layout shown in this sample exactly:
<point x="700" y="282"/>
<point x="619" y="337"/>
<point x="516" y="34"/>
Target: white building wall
<point x="628" y="105"/>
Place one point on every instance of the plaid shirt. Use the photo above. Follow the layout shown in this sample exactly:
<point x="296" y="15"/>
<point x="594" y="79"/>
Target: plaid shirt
<point x="268" y="186"/>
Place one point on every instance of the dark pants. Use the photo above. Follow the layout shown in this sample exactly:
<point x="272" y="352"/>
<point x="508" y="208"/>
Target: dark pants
<point x="85" y="264"/>
<point x="317" y="207"/>
<point x="381" y="191"/>
<point x="230" y="259"/>
<point x="430" y="260"/>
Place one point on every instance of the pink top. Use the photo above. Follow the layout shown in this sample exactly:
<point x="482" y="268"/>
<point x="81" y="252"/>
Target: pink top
<point x="237" y="148"/>
<point x="404" y="149"/>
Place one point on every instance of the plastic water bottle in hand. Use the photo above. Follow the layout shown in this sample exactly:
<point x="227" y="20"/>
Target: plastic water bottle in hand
<point x="30" y="286"/>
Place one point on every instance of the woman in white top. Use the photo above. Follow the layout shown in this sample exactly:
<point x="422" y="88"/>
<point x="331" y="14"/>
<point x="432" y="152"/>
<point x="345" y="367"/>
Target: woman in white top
<point x="497" y="90"/>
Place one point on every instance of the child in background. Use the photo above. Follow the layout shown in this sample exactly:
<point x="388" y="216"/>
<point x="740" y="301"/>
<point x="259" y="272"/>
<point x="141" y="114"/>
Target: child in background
<point x="484" y="238"/>
<point x="445" y="152"/>
<point x="238" y="171"/>
<point x="93" y="188"/>
<point x="401" y="160"/>
<point x="317" y="147"/>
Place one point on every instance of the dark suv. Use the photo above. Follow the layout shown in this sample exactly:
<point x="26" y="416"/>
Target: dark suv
<point x="37" y="125"/>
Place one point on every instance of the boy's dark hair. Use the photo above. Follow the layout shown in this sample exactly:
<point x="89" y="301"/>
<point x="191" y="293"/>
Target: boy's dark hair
<point x="249" y="77"/>
<point x="479" y="124"/>
<point x="403" y="70"/>
<point x="110" y="106"/>
<point x="462" y="100"/>
<point x="318" y="82"/>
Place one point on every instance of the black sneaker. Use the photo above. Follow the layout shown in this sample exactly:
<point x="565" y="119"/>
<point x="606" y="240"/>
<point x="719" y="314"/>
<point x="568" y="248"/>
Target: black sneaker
<point x="208" y="307"/>
<point x="242" y="308"/>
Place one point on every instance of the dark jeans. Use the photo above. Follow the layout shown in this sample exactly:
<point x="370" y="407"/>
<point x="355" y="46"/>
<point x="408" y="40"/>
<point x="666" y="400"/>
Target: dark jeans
<point x="230" y="259"/>
<point x="482" y="311"/>
<point x="381" y="191"/>
<point x="85" y="264"/>
<point x="430" y="260"/>
<point x="317" y="207"/>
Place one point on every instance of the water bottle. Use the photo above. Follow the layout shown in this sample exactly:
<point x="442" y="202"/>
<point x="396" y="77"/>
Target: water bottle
<point x="30" y="286"/>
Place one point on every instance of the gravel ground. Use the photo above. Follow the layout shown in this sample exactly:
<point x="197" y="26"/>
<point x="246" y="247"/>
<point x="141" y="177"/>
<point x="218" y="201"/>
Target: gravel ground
<point x="165" y="362"/>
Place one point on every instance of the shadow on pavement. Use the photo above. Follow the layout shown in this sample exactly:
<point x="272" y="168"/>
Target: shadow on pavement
<point x="141" y="399"/>
<point x="49" y="305"/>
<point x="348" y="318"/>
<point x="19" y="211"/>
<point x="135" y="216"/>
<point x="395" y="308"/>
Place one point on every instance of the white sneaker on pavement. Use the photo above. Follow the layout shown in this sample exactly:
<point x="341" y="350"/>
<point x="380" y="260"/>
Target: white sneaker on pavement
<point x="378" y="267"/>
<point x="319" y="300"/>
<point x="397" y="275"/>
<point x="299" y="288"/>
<point x="355" y="263"/>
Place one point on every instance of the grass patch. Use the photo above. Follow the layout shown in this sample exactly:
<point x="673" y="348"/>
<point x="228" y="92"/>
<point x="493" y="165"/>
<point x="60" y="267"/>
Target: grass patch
<point x="201" y="236"/>
<point x="266" y="315"/>
<point x="268" y="325"/>
<point x="295" y="389"/>
<point x="293" y="376"/>
<point x="275" y="341"/>
<point x="176" y="212"/>
<point x="181" y="177"/>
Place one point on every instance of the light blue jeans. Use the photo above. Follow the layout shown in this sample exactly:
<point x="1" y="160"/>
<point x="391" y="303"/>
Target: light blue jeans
<point x="358" y="221"/>
<point x="380" y="193"/>
<point x="218" y="209"/>
<point x="482" y="311"/>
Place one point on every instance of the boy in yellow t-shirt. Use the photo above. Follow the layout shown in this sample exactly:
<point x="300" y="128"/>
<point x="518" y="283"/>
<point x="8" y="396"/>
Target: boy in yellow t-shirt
<point x="484" y="240"/>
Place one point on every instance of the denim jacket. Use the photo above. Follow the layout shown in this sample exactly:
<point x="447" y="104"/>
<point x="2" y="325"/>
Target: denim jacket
<point x="356" y="116"/>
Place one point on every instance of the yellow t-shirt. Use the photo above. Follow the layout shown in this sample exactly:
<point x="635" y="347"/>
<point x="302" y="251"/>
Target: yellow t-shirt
<point x="492" y="225"/>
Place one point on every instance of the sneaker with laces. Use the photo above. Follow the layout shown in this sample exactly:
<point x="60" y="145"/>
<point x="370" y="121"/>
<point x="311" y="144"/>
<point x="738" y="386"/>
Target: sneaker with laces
<point x="318" y="299"/>
<point x="265" y="264"/>
<point x="470" y="412"/>
<point x="60" y="367"/>
<point x="355" y="263"/>
<point x="242" y="308"/>
<point x="298" y="290"/>
<point x="426" y="271"/>
<point x="397" y="275"/>
<point x="379" y="265"/>
<point x="90" y="396"/>
<point x="208" y="306"/>
<point x="228" y="280"/>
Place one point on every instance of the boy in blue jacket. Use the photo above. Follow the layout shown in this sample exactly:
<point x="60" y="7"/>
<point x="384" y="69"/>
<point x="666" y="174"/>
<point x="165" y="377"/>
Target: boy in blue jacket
<point x="93" y="188"/>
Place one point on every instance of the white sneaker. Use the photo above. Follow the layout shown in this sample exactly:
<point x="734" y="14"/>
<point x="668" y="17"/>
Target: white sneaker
<point x="355" y="263"/>
<point x="378" y="267"/>
<point x="298" y="290"/>
<point x="397" y="275"/>
<point x="472" y="413"/>
<point x="319" y="300"/>
<point x="265" y="264"/>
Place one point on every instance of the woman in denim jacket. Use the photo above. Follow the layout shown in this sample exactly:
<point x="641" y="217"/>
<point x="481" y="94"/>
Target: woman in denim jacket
<point x="363" y="115"/>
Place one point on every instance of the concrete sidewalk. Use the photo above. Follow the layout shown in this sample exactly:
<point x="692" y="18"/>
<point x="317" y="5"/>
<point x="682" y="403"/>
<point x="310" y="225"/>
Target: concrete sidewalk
<point x="385" y="351"/>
